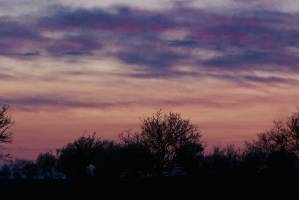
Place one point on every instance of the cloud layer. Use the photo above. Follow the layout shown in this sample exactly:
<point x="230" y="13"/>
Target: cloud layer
<point x="160" y="40"/>
<point x="70" y="67"/>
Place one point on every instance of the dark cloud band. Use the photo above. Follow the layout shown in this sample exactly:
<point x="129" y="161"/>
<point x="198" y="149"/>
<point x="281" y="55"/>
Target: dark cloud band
<point x="246" y="40"/>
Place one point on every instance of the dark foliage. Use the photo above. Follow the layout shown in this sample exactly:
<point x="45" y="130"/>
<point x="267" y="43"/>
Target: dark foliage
<point x="5" y="125"/>
<point x="47" y="162"/>
<point x="166" y="146"/>
<point x="74" y="158"/>
<point x="171" y="140"/>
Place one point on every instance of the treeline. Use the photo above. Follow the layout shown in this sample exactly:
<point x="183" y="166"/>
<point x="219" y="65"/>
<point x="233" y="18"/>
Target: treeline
<point x="166" y="145"/>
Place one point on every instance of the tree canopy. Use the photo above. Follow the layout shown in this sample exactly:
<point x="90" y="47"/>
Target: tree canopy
<point x="5" y="125"/>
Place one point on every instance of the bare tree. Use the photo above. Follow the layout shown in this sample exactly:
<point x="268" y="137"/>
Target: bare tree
<point x="293" y="126"/>
<point x="283" y="136"/>
<point x="167" y="136"/>
<point x="275" y="150"/>
<point x="5" y="125"/>
<point x="278" y="138"/>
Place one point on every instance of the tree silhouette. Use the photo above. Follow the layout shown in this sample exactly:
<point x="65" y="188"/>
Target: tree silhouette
<point x="137" y="159"/>
<point x="5" y="125"/>
<point x="30" y="170"/>
<point x="5" y="172"/>
<point x="223" y="161"/>
<point x="189" y="158"/>
<point x="74" y="158"/>
<point x="283" y="136"/>
<point x="19" y="170"/>
<point x="47" y="163"/>
<point x="274" y="152"/>
<point x="108" y="160"/>
<point x="278" y="138"/>
<point x="293" y="126"/>
<point x="167" y="145"/>
<point x="168" y="136"/>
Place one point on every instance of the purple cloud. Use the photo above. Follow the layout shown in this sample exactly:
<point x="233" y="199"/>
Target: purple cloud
<point x="252" y="39"/>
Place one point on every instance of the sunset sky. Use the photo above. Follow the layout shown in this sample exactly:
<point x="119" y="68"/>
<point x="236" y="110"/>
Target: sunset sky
<point x="70" y="67"/>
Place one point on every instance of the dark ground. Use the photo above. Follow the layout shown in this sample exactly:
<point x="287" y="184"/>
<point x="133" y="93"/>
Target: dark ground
<point x="155" y="188"/>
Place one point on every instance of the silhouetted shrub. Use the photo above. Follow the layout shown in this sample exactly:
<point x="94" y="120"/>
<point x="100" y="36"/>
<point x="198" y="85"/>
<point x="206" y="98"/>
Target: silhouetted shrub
<point x="190" y="159"/>
<point x="5" y="172"/>
<point x="108" y="160"/>
<point x="223" y="161"/>
<point x="30" y="170"/>
<point x="136" y="157"/>
<point x="74" y="158"/>
<point x="47" y="163"/>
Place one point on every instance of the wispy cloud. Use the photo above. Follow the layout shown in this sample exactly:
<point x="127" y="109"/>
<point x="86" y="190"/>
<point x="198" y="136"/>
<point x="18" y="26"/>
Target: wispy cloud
<point x="71" y="64"/>
<point x="254" y="39"/>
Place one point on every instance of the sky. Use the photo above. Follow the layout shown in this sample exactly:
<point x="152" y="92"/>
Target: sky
<point x="71" y="68"/>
